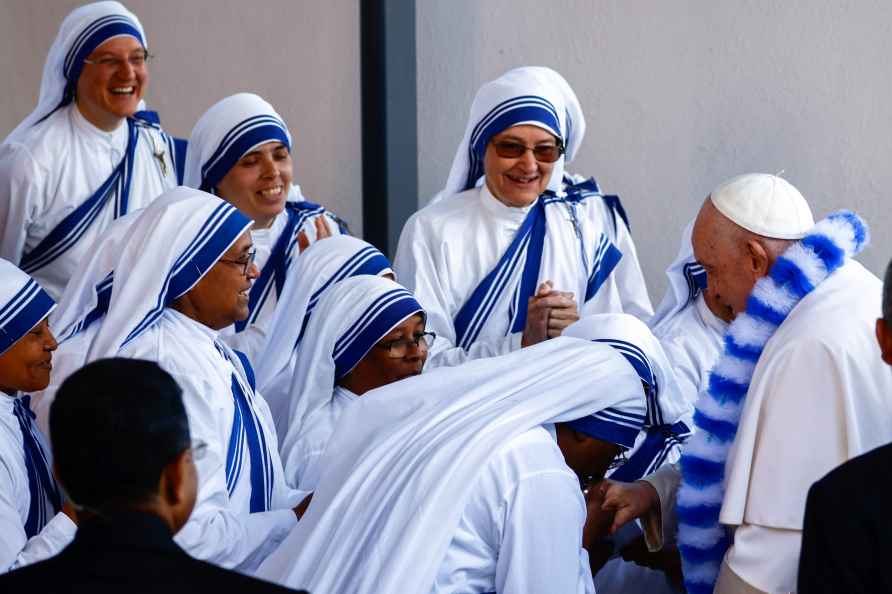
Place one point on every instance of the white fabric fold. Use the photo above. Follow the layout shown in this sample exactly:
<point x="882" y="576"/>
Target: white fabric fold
<point x="403" y="458"/>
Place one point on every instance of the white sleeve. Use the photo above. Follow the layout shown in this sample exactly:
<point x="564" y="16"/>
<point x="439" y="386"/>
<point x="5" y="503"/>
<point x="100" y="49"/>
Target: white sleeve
<point x="214" y="532"/>
<point x="541" y="548"/>
<point x="19" y="197"/>
<point x="16" y="549"/>
<point x="629" y="278"/>
<point x="416" y="270"/>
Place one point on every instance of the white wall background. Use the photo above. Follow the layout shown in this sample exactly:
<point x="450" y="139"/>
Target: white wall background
<point x="300" y="55"/>
<point x="681" y="95"/>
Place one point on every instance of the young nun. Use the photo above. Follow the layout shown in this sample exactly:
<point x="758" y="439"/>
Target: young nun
<point x="319" y="268"/>
<point x="182" y="273"/>
<point x="366" y="332"/>
<point x="32" y="525"/>
<point x="240" y="150"/>
<point x="86" y="155"/>
<point x="465" y="484"/>
<point x="545" y="250"/>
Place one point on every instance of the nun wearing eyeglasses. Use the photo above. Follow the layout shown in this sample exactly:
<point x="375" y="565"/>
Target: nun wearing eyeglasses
<point x="32" y="525"/>
<point x="365" y="332"/>
<point x="181" y="273"/>
<point x="467" y="479"/>
<point x="240" y="150"/>
<point x="319" y="268"/>
<point x="514" y="249"/>
<point x="86" y="155"/>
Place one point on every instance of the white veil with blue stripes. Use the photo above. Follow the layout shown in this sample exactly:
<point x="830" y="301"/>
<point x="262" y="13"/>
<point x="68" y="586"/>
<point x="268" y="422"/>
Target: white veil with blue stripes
<point x="686" y="278"/>
<point x="76" y="26"/>
<point x="348" y="320"/>
<point x="148" y="259"/>
<point x="530" y="85"/>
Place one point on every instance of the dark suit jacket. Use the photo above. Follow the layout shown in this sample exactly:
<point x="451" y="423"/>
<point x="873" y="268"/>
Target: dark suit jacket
<point x="847" y="540"/>
<point x="131" y="554"/>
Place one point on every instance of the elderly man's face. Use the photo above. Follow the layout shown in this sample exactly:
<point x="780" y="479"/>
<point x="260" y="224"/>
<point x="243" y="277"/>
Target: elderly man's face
<point x="110" y="88"/>
<point x="724" y="259"/>
<point x="519" y="181"/>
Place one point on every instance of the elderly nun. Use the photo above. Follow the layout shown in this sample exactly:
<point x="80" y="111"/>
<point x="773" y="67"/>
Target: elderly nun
<point x="467" y="479"/>
<point x="320" y="267"/>
<point x="181" y="273"/>
<point x="514" y="249"/>
<point x="31" y="521"/>
<point x="86" y="155"/>
<point x="366" y="332"/>
<point x="240" y="150"/>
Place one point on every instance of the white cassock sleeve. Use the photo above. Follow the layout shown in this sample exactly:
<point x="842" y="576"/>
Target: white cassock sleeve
<point x="541" y="549"/>
<point x="19" y="196"/>
<point x="628" y="276"/>
<point x="215" y="532"/>
<point x="16" y="549"/>
<point x="416" y="269"/>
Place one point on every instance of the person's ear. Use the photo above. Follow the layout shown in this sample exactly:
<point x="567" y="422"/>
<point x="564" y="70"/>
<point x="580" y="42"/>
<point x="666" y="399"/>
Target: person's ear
<point x="884" y="339"/>
<point x="758" y="259"/>
<point x="174" y="479"/>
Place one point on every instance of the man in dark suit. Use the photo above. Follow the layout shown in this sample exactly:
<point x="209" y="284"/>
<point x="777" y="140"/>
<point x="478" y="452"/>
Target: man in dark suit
<point x="847" y="538"/>
<point x="124" y="456"/>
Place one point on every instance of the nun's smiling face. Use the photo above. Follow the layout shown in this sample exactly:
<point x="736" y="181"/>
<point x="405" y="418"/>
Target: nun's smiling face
<point x="26" y="365"/>
<point x="518" y="181"/>
<point x="258" y="184"/>
<point x="112" y="84"/>
<point x="220" y="298"/>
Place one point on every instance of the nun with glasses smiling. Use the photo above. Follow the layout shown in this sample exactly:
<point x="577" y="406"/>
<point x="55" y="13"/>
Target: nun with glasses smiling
<point x="240" y="150"/>
<point x="86" y="155"/>
<point x="514" y="249"/>
<point x="162" y="291"/>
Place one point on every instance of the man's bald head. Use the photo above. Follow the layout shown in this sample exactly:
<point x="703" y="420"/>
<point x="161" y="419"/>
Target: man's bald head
<point x="734" y="259"/>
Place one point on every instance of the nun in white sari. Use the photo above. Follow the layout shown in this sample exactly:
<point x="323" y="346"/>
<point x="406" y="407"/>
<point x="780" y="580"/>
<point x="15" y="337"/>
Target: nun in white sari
<point x="452" y="481"/>
<point x="365" y="332"/>
<point x="318" y="269"/>
<point x="510" y="219"/>
<point x="86" y="155"/>
<point x="180" y="273"/>
<point x="240" y="150"/>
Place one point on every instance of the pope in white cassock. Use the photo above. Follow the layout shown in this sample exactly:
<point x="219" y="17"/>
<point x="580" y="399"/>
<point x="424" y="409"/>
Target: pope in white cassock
<point x="799" y="389"/>
<point x="32" y="525"/>
<point x="160" y="287"/>
<point x="241" y="151"/>
<point x="86" y="155"/>
<point x="514" y="250"/>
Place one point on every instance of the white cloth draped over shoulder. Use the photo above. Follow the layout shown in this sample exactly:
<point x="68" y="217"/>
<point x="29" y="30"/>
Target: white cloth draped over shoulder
<point x="121" y="307"/>
<point x="319" y="268"/>
<point x="63" y="180"/>
<point x="225" y="133"/>
<point x="404" y="459"/>
<point x="476" y="291"/>
<point x="348" y="320"/>
<point x="668" y="419"/>
<point x="31" y="522"/>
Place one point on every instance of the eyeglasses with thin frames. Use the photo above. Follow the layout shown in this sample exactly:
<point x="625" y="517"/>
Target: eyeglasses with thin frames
<point x="137" y="61"/>
<point x="397" y="349"/>
<point x="544" y="153"/>
<point x="244" y="263"/>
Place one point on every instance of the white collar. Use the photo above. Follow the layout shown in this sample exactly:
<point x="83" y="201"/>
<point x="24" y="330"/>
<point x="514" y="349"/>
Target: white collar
<point x="501" y="210"/>
<point x="183" y="320"/>
<point x="117" y="137"/>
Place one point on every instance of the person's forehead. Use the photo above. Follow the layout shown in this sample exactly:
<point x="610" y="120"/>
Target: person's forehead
<point x="242" y="244"/>
<point x="529" y="132"/>
<point x="119" y="43"/>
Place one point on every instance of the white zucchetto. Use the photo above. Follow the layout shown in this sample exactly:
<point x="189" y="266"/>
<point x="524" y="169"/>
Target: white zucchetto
<point x="764" y="204"/>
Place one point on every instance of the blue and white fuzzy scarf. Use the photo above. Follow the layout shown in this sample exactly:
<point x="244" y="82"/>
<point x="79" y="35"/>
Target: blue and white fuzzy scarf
<point x="702" y="541"/>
